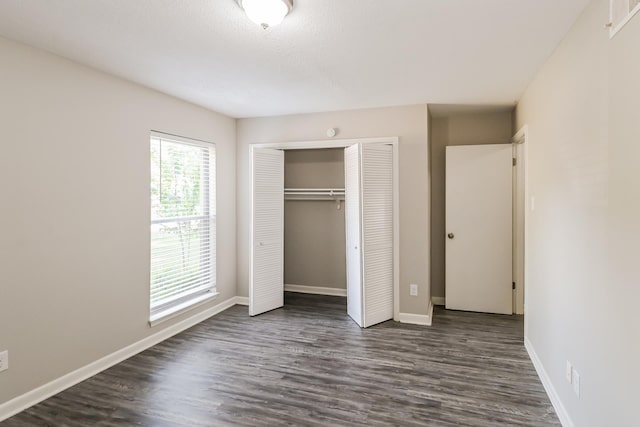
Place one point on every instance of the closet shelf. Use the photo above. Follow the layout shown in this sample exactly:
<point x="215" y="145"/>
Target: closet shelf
<point x="314" y="193"/>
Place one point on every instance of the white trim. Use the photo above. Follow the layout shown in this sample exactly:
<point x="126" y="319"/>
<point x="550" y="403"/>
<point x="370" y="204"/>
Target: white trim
<point x="343" y="143"/>
<point x="324" y="143"/>
<point x="242" y="300"/>
<point x="396" y="231"/>
<point x="316" y="290"/>
<point x="614" y="31"/>
<point x="417" y="319"/>
<point x="176" y="310"/>
<point x="561" y="411"/>
<point x="522" y="137"/>
<point x="30" y="398"/>
<point x="177" y="138"/>
<point x="438" y="301"/>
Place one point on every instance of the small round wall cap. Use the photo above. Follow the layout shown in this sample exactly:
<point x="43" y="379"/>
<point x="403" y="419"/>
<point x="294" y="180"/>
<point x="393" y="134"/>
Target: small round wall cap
<point x="331" y="132"/>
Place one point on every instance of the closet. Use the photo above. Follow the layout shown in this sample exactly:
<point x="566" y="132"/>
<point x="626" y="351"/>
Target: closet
<point x="358" y="199"/>
<point x="314" y="222"/>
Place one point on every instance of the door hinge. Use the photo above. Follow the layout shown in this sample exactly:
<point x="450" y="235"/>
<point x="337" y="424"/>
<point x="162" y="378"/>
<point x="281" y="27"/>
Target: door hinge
<point x="515" y="161"/>
<point x="513" y="285"/>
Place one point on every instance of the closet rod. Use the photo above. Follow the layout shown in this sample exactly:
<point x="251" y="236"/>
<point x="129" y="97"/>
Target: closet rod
<point x="311" y="193"/>
<point x="315" y="198"/>
<point x="313" y="189"/>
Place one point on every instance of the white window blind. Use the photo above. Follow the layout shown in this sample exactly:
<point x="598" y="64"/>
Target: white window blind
<point x="183" y="221"/>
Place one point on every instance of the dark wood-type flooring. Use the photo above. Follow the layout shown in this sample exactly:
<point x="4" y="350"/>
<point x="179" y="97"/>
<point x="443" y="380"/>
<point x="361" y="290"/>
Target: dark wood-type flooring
<point x="310" y="364"/>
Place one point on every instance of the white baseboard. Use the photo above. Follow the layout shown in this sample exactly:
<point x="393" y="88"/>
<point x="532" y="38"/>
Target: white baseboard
<point x="30" y="398"/>
<point x="438" y="300"/>
<point x="417" y="319"/>
<point x="242" y="300"/>
<point x="561" y="411"/>
<point x="316" y="290"/>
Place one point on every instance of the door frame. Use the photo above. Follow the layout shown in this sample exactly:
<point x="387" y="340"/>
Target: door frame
<point x="521" y="213"/>
<point x="343" y="143"/>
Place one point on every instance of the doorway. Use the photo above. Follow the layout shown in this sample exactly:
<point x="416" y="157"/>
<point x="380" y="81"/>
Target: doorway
<point x="371" y="208"/>
<point x="520" y="204"/>
<point x="314" y="222"/>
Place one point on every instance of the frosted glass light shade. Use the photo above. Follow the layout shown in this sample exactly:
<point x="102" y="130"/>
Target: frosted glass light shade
<point x="267" y="13"/>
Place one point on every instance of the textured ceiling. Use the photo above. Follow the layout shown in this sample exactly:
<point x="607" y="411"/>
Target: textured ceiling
<point x="327" y="55"/>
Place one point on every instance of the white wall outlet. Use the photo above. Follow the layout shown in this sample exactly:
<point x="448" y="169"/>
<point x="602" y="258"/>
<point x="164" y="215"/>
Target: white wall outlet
<point x="413" y="290"/>
<point x="533" y="203"/>
<point x="4" y="360"/>
<point x="576" y="382"/>
<point x="567" y="372"/>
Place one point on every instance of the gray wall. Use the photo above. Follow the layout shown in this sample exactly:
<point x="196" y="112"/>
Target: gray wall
<point x="74" y="177"/>
<point x="314" y="233"/>
<point x="583" y="272"/>
<point x="452" y="125"/>
<point x="410" y="124"/>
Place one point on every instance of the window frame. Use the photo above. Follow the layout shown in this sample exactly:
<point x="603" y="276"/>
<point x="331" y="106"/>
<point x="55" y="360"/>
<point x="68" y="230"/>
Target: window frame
<point x="193" y="297"/>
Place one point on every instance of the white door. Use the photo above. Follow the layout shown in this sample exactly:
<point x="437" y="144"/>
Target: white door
<point x="266" y="288"/>
<point x="479" y="228"/>
<point x="377" y="232"/>
<point x="369" y="213"/>
<point x="354" y="233"/>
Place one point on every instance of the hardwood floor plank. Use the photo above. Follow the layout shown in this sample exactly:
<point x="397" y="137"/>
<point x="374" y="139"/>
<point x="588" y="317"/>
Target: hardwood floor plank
<point x="310" y="364"/>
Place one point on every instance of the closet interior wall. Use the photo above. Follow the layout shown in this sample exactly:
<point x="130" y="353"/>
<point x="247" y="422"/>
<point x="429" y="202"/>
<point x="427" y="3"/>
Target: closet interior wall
<point x="314" y="231"/>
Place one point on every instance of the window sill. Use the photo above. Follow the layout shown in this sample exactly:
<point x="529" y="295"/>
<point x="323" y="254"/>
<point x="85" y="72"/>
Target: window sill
<point x="177" y="310"/>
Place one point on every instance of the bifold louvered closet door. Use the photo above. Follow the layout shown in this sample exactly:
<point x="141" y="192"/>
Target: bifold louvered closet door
<point x="369" y="213"/>
<point x="266" y="290"/>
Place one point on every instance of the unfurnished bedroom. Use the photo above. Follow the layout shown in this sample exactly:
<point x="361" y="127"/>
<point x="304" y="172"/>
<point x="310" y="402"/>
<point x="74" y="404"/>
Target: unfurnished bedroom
<point x="319" y="213"/>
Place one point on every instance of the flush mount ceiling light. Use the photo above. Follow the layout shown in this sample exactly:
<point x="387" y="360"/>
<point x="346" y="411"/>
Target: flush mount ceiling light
<point x="266" y="13"/>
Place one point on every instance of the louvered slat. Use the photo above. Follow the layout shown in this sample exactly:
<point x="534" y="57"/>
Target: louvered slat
<point x="377" y="232"/>
<point x="267" y="246"/>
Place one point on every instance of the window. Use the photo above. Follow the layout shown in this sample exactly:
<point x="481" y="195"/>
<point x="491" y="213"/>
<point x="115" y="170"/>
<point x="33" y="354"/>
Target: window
<point x="183" y="223"/>
<point x="621" y="12"/>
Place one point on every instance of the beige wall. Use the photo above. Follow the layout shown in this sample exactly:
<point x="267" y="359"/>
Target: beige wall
<point x="410" y="124"/>
<point x="583" y="288"/>
<point x="314" y="233"/>
<point x="452" y="127"/>
<point x="74" y="177"/>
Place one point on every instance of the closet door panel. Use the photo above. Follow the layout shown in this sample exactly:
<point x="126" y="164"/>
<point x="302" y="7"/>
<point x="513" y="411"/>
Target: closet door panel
<point x="266" y="289"/>
<point x="377" y="232"/>
<point x="353" y="229"/>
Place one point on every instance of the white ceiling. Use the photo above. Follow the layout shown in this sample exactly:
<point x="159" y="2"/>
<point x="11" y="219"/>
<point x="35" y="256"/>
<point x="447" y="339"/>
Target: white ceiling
<point x="326" y="55"/>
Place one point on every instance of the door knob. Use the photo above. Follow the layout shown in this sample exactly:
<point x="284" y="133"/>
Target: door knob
<point x="450" y="236"/>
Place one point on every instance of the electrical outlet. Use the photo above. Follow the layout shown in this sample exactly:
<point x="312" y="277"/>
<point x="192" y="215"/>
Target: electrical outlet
<point x="567" y="372"/>
<point x="413" y="290"/>
<point x="4" y="360"/>
<point x="576" y="382"/>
